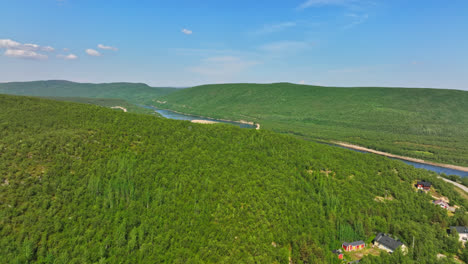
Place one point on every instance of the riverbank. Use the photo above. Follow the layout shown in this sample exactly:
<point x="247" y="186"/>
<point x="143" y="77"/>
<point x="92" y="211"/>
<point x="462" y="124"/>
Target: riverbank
<point x="461" y="186"/>
<point x="120" y="107"/>
<point x="356" y="147"/>
<point x="204" y="121"/>
<point x="257" y="125"/>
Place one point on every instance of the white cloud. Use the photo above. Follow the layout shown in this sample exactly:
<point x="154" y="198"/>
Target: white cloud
<point x="301" y="82"/>
<point x="11" y="44"/>
<point x="68" y="57"/>
<point x="275" y="27"/>
<point x="24" y="54"/>
<point x="187" y="31"/>
<point x="48" y="49"/>
<point x="107" y="47"/>
<point x="92" y="52"/>
<point x="222" y="66"/>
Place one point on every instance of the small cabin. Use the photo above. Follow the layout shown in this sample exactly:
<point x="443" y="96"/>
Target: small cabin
<point x="385" y="242"/>
<point x="423" y="185"/>
<point x="338" y="253"/>
<point x="462" y="232"/>
<point x="357" y="245"/>
<point x="441" y="203"/>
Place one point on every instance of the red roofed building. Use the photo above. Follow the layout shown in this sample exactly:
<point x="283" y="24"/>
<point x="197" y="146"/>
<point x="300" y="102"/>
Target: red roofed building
<point x="441" y="204"/>
<point x="357" y="245"/>
<point x="422" y="185"/>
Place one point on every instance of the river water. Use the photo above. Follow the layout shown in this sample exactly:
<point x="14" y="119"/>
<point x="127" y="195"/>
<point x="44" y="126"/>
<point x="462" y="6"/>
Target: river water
<point x="418" y="165"/>
<point x="173" y="115"/>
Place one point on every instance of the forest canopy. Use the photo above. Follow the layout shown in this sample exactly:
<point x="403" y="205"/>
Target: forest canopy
<point x="428" y="124"/>
<point x="87" y="184"/>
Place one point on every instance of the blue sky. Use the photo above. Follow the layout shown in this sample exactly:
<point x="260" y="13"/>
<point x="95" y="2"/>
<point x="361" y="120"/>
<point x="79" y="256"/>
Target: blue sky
<point x="409" y="43"/>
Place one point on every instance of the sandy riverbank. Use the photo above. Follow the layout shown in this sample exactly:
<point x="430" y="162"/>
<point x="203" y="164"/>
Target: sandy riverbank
<point x="203" y="121"/>
<point x="356" y="147"/>
<point x="257" y="125"/>
<point x="119" y="107"/>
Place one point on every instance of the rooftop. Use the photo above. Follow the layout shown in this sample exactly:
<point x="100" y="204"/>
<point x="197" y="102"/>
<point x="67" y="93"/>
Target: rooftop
<point x="424" y="183"/>
<point x="355" y="243"/>
<point x="460" y="229"/>
<point x="387" y="241"/>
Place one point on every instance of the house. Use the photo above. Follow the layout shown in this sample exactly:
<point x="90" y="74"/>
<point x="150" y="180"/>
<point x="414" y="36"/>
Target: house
<point x="339" y="253"/>
<point x="462" y="232"/>
<point x="385" y="242"/>
<point x="442" y="204"/>
<point x="354" y="245"/>
<point x="422" y="185"/>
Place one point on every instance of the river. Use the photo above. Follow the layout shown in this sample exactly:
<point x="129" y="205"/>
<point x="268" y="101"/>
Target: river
<point x="418" y="165"/>
<point x="178" y="116"/>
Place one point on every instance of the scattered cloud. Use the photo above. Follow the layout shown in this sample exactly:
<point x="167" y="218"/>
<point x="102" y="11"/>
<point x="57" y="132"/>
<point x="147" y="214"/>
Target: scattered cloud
<point x="272" y="28"/>
<point x="92" y="52"/>
<point x="48" y="49"/>
<point x="222" y="66"/>
<point x="67" y="57"/>
<point x="187" y="31"/>
<point x="9" y="44"/>
<point x="301" y="82"/>
<point x="16" y="49"/>
<point x="107" y="47"/>
<point x="24" y="54"/>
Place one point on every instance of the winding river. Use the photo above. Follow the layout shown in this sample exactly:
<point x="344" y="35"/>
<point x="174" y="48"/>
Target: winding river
<point x="179" y="116"/>
<point x="418" y="165"/>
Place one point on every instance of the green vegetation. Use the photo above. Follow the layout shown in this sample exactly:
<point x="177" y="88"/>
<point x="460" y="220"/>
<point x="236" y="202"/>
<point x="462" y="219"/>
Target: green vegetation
<point x="135" y="93"/>
<point x="86" y="184"/>
<point x="430" y="124"/>
<point x="107" y="103"/>
<point x="456" y="178"/>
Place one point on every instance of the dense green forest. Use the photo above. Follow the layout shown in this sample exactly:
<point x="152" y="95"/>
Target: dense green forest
<point x="430" y="124"/>
<point x="132" y="108"/>
<point x="86" y="184"/>
<point x="136" y="93"/>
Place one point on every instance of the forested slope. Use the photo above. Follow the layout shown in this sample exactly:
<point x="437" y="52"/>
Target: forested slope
<point x="430" y="124"/>
<point x="86" y="184"/>
<point x="132" y="92"/>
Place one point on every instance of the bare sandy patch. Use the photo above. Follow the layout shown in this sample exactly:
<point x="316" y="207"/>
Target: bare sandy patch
<point x="203" y="121"/>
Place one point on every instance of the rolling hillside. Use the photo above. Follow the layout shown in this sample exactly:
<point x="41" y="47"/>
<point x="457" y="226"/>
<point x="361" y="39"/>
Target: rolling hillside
<point x="136" y="93"/>
<point x="430" y="124"/>
<point x="85" y="184"/>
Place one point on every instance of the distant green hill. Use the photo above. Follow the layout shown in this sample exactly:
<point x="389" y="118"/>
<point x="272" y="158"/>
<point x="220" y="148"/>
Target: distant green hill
<point x="430" y="124"/>
<point x="86" y="184"/>
<point x="137" y="93"/>
<point x="132" y="108"/>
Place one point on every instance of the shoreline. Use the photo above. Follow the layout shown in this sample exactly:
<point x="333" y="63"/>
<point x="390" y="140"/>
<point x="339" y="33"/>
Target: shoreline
<point x="348" y="145"/>
<point x="203" y="121"/>
<point x="119" y="107"/>
<point x="356" y="147"/>
<point x="257" y="125"/>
